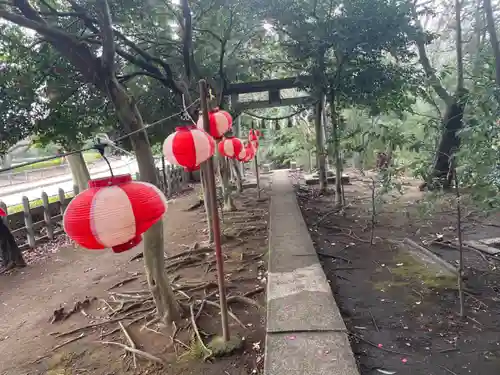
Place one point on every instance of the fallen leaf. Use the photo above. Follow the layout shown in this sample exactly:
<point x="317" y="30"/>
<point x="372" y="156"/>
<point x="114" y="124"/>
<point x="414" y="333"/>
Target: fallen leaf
<point x="386" y="372"/>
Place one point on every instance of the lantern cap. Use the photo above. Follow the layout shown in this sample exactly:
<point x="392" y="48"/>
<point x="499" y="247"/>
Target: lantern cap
<point x="185" y="128"/>
<point x="110" y="181"/>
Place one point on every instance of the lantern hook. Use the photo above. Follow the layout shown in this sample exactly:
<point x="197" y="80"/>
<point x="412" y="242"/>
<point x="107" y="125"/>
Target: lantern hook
<point x="100" y="147"/>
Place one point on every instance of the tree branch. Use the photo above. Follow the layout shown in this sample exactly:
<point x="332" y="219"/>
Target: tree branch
<point x="108" y="43"/>
<point x="426" y="65"/>
<point x="210" y="32"/>
<point x="128" y="77"/>
<point x="187" y="38"/>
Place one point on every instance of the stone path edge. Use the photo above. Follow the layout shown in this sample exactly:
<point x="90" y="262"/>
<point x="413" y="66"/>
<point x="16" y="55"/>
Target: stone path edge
<point x="305" y="333"/>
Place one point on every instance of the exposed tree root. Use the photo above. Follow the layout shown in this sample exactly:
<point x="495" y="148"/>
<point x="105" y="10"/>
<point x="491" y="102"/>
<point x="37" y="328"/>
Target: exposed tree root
<point x="140" y="353"/>
<point x="94" y="325"/>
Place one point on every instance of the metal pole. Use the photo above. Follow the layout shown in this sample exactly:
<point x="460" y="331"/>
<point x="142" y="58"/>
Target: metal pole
<point x="212" y="195"/>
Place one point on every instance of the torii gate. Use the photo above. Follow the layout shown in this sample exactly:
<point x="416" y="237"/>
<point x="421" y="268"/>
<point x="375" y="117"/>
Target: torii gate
<point x="274" y="89"/>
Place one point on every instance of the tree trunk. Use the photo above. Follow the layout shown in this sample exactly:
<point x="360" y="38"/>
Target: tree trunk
<point x="226" y="183"/>
<point x="79" y="170"/>
<point x="126" y="110"/>
<point x="336" y="151"/>
<point x="320" y="150"/>
<point x="237" y="175"/>
<point x="440" y="176"/>
<point x="490" y="21"/>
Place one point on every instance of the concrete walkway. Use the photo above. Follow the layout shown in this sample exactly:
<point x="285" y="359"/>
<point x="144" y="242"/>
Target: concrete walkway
<point x="305" y="331"/>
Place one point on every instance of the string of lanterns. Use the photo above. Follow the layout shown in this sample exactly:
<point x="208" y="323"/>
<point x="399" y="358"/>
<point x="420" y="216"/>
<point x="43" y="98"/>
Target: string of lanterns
<point x="115" y="211"/>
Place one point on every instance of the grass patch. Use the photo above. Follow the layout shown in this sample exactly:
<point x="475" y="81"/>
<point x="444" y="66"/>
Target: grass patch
<point x="427" y="275"/>
<point x="407" y="271"/>
<point x="88" y="156"/>
<point x="35" y="203"/>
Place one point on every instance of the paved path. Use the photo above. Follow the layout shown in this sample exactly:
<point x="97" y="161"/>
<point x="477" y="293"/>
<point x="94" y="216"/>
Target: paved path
<point x="305" y="331"/>
<point x="52" y="185"/>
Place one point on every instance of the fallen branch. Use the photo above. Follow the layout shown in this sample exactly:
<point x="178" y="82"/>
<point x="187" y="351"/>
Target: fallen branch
<point x="145" y="316"/>
<point x="378" y="346"/>
<point x="123" y="282"/>
<point x="374" y="321"/>
<point x="334" y="257"/>
<point x="243" y="299"/>
<point x="198" y="336"/>
<point x="231" y="314"/>
<point x="141" y="353"/>
<point x="130" y="341"/>
<point x="67" y="342"/>
<point x="191" y="252"/>
<point x="255" y="291"/>
<point x="196" y="205"/>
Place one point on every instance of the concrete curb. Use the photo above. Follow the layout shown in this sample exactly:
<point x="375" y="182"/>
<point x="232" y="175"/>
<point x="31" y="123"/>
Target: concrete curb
<point x="306" y="334"/>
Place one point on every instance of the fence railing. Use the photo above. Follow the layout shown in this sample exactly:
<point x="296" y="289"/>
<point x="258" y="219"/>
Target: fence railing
<point x="30" y="175"/>
<point x="42" y="221"/>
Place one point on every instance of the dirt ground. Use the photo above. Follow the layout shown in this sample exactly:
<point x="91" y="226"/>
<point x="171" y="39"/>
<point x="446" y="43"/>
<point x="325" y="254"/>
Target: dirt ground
<point x="403" y="317"/>
<point x="29" y="297"/>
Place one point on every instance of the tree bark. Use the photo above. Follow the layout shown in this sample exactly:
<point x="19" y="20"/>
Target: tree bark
<point x="237" y="175"/>
<point x="452" y="119"/>
<point x="79" y="170"/>
<point x="490" y="22"/>
<point x="320" y="150"/>
<point x="336" y="151"/>
<point x="126" y="110"/>
<point x="440" y="176"/>
<point x="226" y="183"/>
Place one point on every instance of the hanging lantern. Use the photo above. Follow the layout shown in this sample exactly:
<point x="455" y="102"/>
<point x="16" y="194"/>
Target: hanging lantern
<point x="220" y="123"/>
<point x="250" y="152"/>
<point x="188" y="147"/>
<point x="263" y="124"/>
<point x="113" y="213"/>
<point x="290" y="122"/>
<point x="232" y="147"/>
<point x="253" y="137"/>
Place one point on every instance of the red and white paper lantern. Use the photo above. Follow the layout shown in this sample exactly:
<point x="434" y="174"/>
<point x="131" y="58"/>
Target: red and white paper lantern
<point x="220" y="123"/>
<point x="188" y="147"/>
<point x="113" y="213"/>
<point x="232" y="147"/>
<point x="250" y="153"/>
<point x="253" y="137"/>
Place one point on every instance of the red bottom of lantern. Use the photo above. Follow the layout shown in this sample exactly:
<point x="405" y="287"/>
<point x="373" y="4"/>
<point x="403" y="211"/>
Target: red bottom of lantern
<point x="128" y="245"/>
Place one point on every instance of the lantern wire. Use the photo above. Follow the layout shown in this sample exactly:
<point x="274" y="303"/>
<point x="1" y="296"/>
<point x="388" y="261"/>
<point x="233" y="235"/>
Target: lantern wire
<point x="101" y="147"/>
<point x="276" y="118"/>
<point x="99" y="144"/>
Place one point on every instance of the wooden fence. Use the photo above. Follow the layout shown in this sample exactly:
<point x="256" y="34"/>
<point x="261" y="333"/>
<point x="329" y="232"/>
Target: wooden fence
<point x="33" y="225"/>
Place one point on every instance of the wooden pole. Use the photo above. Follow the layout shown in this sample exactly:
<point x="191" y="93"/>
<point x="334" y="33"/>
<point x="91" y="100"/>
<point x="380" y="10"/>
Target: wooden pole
<point x="256" y="162"/>
<point x="212" y="195"/>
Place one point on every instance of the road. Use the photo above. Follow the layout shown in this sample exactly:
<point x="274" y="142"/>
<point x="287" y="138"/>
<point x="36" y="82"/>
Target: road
<point x="119" y="167"/>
